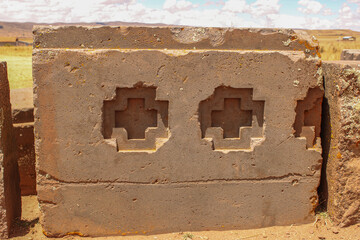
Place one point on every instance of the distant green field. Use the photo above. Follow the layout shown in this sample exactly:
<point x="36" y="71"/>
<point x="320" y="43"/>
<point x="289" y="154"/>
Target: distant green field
<point x="19" y="65"/>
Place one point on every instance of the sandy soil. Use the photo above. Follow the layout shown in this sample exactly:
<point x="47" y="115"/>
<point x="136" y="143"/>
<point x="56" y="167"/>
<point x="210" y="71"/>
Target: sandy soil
<point x="30" y="229"/>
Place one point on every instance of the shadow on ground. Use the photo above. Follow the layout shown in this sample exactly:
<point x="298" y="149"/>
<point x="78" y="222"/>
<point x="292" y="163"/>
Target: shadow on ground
<point x="22" y="227"/>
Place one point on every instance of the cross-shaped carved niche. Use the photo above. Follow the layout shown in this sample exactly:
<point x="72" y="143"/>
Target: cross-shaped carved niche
<point x="308" y="117"/>
<point x="135" y="119"/>
<point x="231" y="119"/>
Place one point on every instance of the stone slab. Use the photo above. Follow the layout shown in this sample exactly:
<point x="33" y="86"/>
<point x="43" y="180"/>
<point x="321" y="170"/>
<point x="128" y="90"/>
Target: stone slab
<point x="117" y="130"/>
<point x="23" y="119"/>
<point x="10" y="201"/>
<point x="24" y="134"/>
<point x="23" y="115"/>
<point x="342" y="129"/>
<point x="181" y="37"/>
<point x="130" y="209"/>
<point x="350" y="54"/>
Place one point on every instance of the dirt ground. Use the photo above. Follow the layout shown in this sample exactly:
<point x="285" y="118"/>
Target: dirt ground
<point x="30" y="229"/>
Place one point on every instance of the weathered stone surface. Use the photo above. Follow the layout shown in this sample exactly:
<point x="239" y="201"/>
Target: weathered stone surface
<point x="342" y="83"/>
<point x="21" y="98"/>
<point x="126" y="37"/>
<point x="10" y="201"/>
<point x="23" y="120"/>
<point x="24" y="134"/>
<point x="133" y="141"/>
<point x="350" y="54"/>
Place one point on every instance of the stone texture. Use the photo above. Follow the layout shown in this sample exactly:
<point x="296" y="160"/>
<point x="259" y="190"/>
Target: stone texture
<point x="21" y="98"/>
<point x="126" y="37"/>
<point x="142" y="141"/>
<point x="350" y="54"/>
<point x="23" y="119"/>
<point x="342" y="84"/>
<point x="23" y="122"/>
<point x="10" y="201"/>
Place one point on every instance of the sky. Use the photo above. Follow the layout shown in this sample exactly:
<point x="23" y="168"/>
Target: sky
<point x="308" y="14"/>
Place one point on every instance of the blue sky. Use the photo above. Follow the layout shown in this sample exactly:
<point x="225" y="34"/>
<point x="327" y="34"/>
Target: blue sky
<point x="310" y="14"/>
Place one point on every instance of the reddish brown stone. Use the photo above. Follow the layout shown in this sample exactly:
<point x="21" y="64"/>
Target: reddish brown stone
<point x="23" y="119"/>
<point x="10" y="201"/>
<point x="138" y="141"/>
<point x="139" y="37"/>
<point x="24" y="134"/>
<point x="342" y="124"/>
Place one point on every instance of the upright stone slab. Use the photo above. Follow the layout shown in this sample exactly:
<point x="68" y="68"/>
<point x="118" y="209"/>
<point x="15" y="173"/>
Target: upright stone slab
<point x="350" y="54"/>
<point x="23" y="122"/>
<point x="10" y="201"/>
<point x="148" y="140"/>
<point x="342" y="83"/>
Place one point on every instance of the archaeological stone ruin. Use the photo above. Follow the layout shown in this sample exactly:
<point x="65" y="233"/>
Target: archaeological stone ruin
<point x="350" y="54"/>
<point x="342" y="142"/>
<point x="23" y="122"/>
<point x="10" y="201"/>
<point x="145" y="130"/>
<point x="148" y="130"/>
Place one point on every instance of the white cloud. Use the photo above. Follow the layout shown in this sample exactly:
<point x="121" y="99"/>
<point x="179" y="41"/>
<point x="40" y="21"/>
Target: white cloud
<point x="327" y="12"/>
<point x="224" y="13"/>
<point x="178" y="5"/>
<point x="290" y="21"/>
<point x="258" y="9"/>
<point x="348" y="16"/>
<point x="310" y="6"/>
<point x="237" y="6"/>
<point x="265" y="7"/>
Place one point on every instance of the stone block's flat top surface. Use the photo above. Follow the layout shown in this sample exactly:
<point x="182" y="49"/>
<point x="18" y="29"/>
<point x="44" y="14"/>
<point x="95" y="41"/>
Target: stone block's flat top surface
<point x="344" y="63"/>
<point x="173" y="38"/>
<point x="352" y="50"/>
<point x="21" y="98"/>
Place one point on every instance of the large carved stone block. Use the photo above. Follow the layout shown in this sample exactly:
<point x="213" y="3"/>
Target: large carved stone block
<point x="342" y="124"/>
<point x="142" y="141"/>
<point x="10" y="199"/>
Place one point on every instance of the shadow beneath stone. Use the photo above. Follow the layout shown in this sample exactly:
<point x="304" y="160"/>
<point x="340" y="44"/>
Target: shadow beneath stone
<point x="22" y="227"/>
<point x="325" y="144"/>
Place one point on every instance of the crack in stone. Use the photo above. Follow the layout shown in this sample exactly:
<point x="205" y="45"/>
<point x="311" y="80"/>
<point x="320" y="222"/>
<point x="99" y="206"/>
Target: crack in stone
<point x="289" y="176"/>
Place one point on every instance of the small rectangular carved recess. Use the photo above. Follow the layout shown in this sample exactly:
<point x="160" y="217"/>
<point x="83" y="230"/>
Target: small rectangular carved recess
<point x="135" y="120"/>
<point x="231" y="119"/>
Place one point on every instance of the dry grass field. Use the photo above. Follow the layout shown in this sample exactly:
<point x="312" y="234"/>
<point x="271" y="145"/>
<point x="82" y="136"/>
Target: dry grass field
<point x="13" y="39"/>
<point x="331" y="44"/>
<point x="19" y="65"/>
<point x="331" y="50"/>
